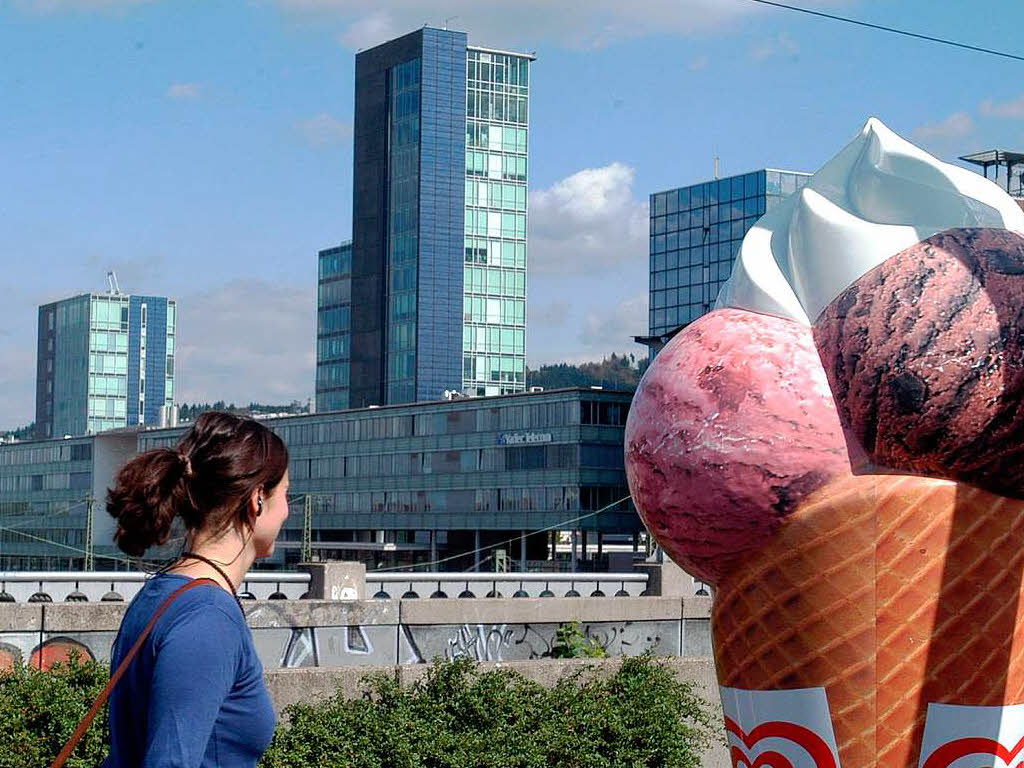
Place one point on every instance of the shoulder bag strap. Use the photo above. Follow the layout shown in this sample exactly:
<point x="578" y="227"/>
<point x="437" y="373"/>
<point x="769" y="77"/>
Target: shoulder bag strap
<point x="102" y="698"/>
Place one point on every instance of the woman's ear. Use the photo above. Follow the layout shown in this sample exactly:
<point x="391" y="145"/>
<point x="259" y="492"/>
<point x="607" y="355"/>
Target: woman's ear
<point x="255" y="506"/>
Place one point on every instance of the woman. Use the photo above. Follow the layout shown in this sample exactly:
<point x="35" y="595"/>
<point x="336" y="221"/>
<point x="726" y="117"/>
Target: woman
<point x="194" y="695"/>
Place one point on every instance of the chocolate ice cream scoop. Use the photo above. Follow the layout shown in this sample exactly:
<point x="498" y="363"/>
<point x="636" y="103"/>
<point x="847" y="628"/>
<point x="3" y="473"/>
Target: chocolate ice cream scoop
<point x="925" y="357"/>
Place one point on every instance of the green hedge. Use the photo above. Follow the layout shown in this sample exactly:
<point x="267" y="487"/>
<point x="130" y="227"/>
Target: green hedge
<point x="39" y="711"/>
<point x="454" y="717"/>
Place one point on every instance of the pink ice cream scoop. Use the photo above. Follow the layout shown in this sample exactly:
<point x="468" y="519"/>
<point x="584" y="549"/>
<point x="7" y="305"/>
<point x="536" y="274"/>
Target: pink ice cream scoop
<point x="731" y="427"/>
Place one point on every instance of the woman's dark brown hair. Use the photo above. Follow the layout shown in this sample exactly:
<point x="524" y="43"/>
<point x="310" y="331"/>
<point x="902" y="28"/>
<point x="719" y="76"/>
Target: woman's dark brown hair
<point x="207" y="481"/>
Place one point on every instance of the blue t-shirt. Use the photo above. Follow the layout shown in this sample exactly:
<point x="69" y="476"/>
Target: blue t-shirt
<point x="194" y="695"/>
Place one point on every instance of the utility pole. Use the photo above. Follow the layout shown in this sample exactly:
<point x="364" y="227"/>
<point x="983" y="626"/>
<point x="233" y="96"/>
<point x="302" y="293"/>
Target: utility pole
<point x="307" y="530"/>
<point x="89" y="563"/>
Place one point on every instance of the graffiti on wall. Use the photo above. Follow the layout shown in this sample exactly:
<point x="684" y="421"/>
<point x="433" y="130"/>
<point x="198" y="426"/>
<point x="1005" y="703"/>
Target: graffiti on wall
<point x="520" y="642"/>
<point x="18" y="650"/>
<point x="282" y="644"/>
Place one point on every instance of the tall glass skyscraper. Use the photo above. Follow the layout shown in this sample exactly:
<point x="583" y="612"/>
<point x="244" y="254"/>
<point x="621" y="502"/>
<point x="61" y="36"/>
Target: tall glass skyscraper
<point x="438" y="275"/>
<point x="104" y="361"/>
<point x="695" y="235"/>
<point x="333" y="328"/>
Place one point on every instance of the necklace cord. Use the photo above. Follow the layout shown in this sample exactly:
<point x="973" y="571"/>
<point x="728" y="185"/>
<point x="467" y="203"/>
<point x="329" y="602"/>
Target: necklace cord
<point x="218" y="569"/>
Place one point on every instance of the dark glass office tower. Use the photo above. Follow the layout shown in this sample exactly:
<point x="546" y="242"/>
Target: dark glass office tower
<point x="422" y="250"/>
<point x="695" y="235"/>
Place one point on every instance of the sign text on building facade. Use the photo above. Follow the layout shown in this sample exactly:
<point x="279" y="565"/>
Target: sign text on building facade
<point x="523" y="438"/>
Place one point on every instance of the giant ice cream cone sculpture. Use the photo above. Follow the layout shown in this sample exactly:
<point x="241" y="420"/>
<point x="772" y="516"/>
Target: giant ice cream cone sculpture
<point x="839" y="449"/>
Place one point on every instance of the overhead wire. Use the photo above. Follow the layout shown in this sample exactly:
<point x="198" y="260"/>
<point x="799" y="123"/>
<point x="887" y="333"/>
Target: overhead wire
<point x="21" y="520"/>
<point x="892" y="30"/>
<point x="555" y="527"/>
<point x="144" y="564"/>
<point x="78" y="550"/>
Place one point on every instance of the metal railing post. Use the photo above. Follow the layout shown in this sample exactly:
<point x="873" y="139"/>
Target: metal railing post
<point x="90" y="564"/>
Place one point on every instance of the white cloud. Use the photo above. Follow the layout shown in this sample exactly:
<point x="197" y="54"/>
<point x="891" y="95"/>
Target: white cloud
<point x="583" y="24"/>
<point x="780" y="45"/>
<point x="1011" y="108"/>
<point x="549" y="314"/>
<point x="370" y="30"/>
<point x="956" y="126"/>
<point x="142" y="275"/>
<point x="586" y="221"/>
<point x="698" y="63"/>
<point x="324" y="130"/>
<point x="248" y="340"/>
<point x="184" y="91"/>
<point x="606" y="330"/>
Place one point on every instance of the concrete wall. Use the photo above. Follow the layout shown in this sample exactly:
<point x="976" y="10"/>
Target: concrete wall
<point x="291" y="686"/>
<point x="314" y="633"/>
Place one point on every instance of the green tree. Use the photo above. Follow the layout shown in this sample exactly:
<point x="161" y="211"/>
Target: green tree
<point x="613" y="372"/>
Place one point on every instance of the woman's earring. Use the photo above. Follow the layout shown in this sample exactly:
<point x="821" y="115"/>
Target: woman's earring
<point x="259" y="506"/>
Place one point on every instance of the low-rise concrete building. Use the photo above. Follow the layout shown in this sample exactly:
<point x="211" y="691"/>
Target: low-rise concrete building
<point x="463" y="484"/>
<point x="456" y="479"/>
<point x="46" y="489"/>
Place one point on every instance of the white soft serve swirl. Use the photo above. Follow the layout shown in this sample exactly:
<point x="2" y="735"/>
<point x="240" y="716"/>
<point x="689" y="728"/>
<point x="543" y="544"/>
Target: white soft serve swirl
<point x="877" y="197"/>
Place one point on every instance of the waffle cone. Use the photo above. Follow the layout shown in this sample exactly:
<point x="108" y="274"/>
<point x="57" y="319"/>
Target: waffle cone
<point x="949" y="627"/>
<point x="890" y="592"/>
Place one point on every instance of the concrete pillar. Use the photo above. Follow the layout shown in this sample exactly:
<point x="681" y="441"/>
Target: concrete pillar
<point x="339" y="580"/>
<point x="476" y="550"/>
<point x="600" y="544"/>
<point x="522" y="551"/>
<point x="583" y="547"/>
<point x="433" y="546"/>
<point x="575" y="554"/>
<point x="666" y="579"/>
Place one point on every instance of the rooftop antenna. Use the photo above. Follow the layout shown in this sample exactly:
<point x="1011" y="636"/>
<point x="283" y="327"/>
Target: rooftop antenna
<point x="450" y="18"/>
<point x="714" y="167"/>
<point x="112" y="283"/>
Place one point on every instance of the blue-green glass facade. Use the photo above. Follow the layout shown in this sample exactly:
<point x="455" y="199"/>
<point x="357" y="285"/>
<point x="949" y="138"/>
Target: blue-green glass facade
<point x="695" y="235"/>
<point x="387" y="485"/>
<point x="501" y="466"/>
<point x="497" y="133"/>
<point x="334" y="328"/>
<point x="45" y="491"/>
<point x="104" y="361"/>
<point x="152" y="325"/>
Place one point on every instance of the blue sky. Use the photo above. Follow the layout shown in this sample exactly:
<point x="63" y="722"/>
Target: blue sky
<point x="203" y="150"/>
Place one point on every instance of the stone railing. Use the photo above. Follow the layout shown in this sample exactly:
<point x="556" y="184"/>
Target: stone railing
<point x="469" y="585"/>
<point x="119" y="586"/>
<point x="328" y="633"/>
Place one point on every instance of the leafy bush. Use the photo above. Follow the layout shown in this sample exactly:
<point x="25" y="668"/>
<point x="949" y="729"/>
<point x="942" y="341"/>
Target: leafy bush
<point x="456" y="717"/>
<point x="571" y="642"/>
<point x="39" y="711"/>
